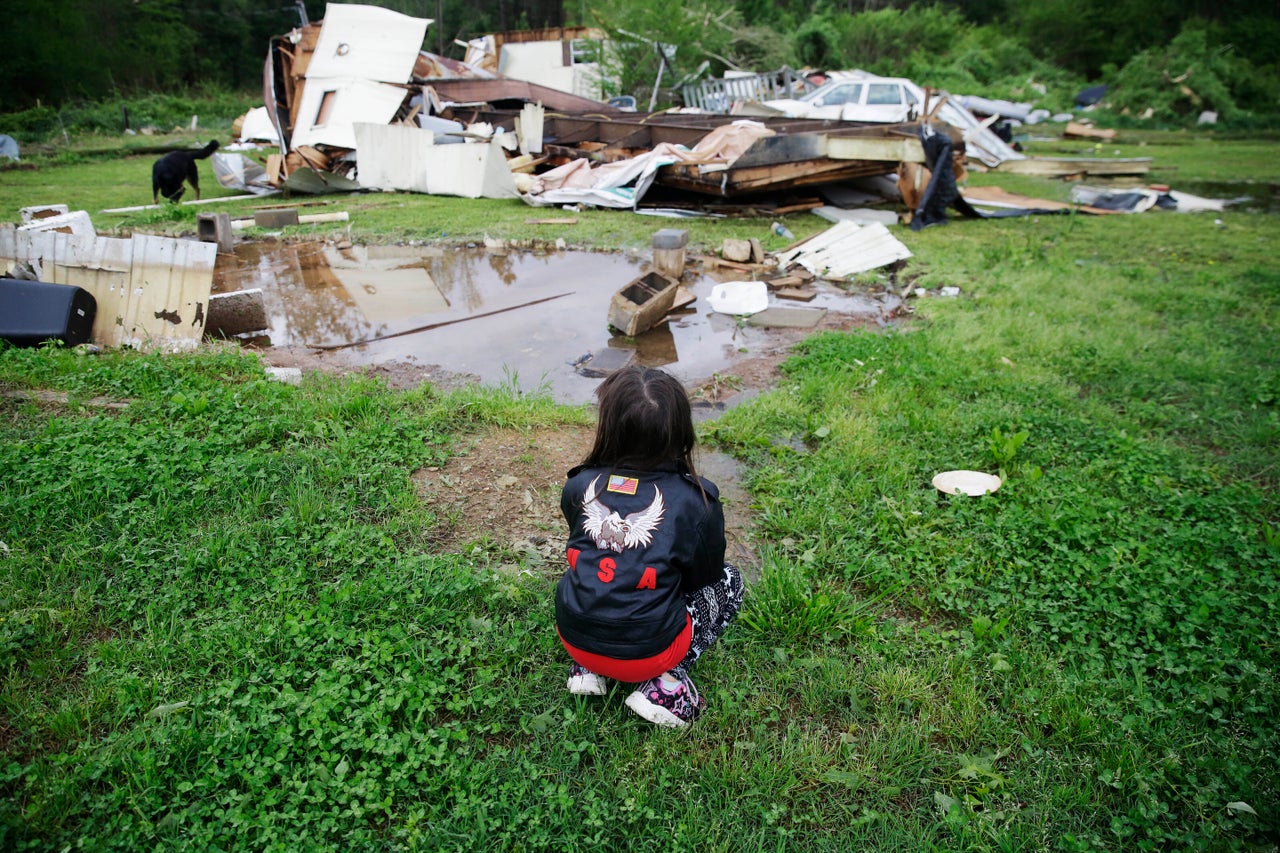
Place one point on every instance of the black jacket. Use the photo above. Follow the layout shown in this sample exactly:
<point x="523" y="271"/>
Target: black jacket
<point x="638" y="543"/>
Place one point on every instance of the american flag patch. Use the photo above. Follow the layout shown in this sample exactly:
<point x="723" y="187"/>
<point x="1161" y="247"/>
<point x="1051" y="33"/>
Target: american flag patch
<point x="622" y="485"/>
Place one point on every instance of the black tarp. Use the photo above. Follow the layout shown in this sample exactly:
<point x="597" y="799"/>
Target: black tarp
<point x="942" y="191"/>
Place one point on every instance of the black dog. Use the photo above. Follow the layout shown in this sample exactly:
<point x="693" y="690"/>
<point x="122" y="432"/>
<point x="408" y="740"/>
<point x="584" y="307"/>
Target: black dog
<point x="170" y="170"/>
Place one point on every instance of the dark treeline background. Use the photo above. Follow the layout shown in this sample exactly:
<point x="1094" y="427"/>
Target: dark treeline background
<point x="58" y="51"/>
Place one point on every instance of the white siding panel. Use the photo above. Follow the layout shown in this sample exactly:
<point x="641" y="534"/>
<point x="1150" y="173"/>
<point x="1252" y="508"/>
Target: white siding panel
<point x="369" y="42"/>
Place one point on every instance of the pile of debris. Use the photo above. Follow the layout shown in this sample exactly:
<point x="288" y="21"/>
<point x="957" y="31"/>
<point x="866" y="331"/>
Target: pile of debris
<point x="354" y="103"/>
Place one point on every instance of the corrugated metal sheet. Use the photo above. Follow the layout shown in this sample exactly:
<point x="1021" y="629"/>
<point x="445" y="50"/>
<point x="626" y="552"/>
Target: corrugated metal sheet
<point x="846" y="249"/>
<point x="151" y="292"/>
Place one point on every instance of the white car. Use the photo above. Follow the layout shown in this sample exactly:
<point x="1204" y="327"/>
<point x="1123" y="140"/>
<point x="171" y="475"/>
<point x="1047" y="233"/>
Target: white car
<point x="887" y="100"/>
<point x="861" y="97"/>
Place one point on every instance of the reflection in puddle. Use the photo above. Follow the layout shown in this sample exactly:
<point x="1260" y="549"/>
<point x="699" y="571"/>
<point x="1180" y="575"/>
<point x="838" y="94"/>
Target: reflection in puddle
<point x="538" y="319"/>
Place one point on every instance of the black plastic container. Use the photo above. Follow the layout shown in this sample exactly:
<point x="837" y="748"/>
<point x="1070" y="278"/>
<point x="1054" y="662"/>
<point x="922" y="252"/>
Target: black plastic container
<point x="32" y="312"/>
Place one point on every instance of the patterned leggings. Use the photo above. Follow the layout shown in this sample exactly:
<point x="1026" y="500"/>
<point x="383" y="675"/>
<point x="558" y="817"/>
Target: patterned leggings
<point x="711" y="608"/>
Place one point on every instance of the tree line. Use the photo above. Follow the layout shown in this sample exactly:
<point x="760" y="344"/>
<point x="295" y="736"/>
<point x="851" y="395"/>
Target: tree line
<point x="60" y="51"/>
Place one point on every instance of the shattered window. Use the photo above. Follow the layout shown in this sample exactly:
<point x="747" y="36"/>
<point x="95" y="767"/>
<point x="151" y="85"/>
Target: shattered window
<point x="884" y="93"/>
<point x="326" y="108"/>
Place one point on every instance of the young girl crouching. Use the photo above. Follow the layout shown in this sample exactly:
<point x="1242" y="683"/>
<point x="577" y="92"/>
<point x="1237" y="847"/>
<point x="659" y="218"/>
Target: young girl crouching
<point x="647" y="590"/>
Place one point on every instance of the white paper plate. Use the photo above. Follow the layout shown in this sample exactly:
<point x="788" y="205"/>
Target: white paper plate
<point x="966" y="483"/>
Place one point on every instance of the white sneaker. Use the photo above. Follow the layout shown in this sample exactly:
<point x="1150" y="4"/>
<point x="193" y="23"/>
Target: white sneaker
<point x="584" y="682"/>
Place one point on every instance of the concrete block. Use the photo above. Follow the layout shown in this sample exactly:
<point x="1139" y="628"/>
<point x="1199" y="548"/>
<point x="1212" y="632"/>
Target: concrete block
<point x="216" y="228"/>
<point x="642" y="303"/>
<point x="669" y="262"/>
<point x="236" y="313"/>
<point x="276" y="218"/>
<point x="671" y="238"/>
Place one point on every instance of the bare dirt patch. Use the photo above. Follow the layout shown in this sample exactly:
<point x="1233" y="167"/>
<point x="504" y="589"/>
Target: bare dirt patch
<point x="503" y="488"/>
<point x="503" y="491"/>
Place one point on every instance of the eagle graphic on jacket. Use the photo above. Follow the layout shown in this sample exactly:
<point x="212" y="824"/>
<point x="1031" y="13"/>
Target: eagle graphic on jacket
<point x="612" y="531"/>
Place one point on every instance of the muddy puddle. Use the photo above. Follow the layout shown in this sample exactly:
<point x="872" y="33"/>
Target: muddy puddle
<point x="535" y="319"/>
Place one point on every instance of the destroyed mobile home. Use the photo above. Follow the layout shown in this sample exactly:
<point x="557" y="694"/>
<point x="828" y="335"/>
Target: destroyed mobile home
<point x="357" y="105"/>
<point x="353" y="103"/>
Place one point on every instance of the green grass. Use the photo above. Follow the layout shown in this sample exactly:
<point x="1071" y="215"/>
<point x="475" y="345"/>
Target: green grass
<point x="224" y="622"/>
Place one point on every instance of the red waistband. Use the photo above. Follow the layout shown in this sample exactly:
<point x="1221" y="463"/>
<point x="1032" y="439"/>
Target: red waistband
<point x="638" y="669"/>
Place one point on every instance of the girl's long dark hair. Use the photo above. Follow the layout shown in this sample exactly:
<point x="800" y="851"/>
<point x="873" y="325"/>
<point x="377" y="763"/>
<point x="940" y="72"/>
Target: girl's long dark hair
<point x="645" y="421"/>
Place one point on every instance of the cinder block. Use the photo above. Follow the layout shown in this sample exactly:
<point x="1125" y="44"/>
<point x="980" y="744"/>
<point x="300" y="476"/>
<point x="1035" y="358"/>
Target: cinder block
<point x="671" y="238"/>
<point x="238" y="313"/>
<point x="216" y="228"/>
<point x="276" y="218"/>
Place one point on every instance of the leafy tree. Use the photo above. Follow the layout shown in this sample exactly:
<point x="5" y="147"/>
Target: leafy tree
<point x="879" y="41"/>
<point x="701" y="31"/>
<point x="1180" y="80"/>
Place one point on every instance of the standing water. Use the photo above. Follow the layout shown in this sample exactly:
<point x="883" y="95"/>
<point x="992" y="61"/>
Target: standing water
<point x="536" y="319"/>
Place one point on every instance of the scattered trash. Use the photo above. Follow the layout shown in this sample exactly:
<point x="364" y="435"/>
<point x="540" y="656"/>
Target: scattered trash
<point x="1091" y="96"/>
<point x="288" y="216"/>
<point x="1124" y="201"/>
<point x="796" y="294"/>
<point x="973" y="483"/>
<point x="782" y="231"/>
<point x="608" y="360"/>
<point x="1079" y="130"/>
<point x="860" y="216"/>
<point x="151" y="292"/>
<point x="287" y="375"/>
<point x="238" y="172"/>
